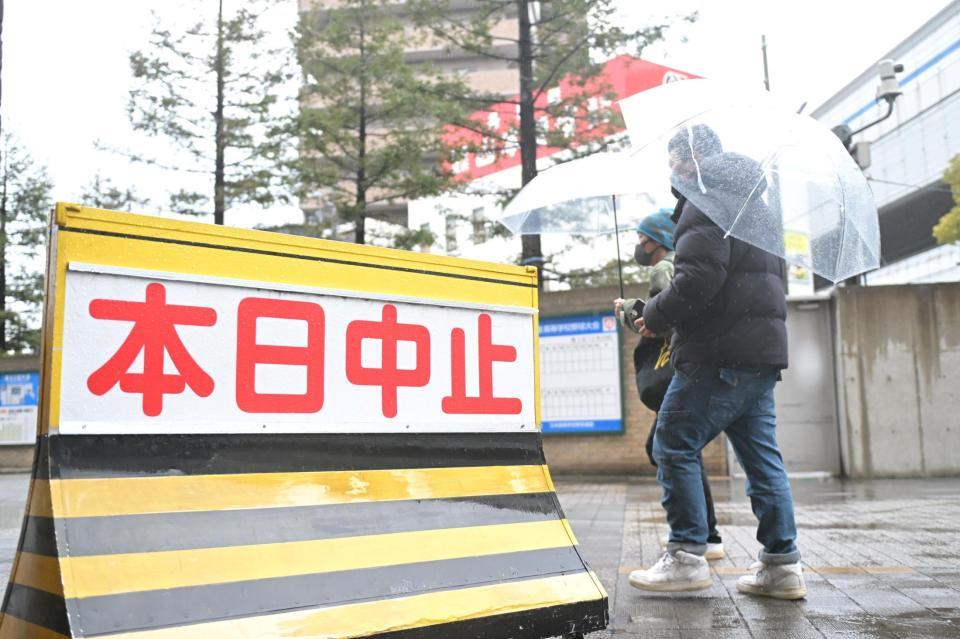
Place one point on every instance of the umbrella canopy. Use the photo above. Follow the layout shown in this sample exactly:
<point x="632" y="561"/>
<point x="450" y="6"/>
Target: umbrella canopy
<point x="759" y="171"/>
<point x="593" y="195"/>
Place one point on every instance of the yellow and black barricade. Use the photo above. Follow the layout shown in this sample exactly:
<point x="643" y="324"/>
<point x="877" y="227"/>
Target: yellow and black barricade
<point x="204" y="469"/>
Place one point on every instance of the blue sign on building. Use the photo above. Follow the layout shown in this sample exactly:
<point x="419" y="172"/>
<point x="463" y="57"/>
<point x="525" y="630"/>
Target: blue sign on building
<point x="580" y="385"/>
<point x="19" y="389"/>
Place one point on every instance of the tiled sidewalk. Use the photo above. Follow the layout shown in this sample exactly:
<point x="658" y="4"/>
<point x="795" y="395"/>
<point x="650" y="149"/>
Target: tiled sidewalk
<point x="881" y="560"/>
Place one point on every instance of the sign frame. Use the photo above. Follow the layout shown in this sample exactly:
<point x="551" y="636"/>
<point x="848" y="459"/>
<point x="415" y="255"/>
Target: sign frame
<point x="594" y="313"/>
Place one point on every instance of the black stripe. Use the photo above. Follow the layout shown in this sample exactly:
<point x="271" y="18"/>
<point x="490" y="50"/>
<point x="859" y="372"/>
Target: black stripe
<point x="37" y="607"/>
<point x="90" y="456"/>
<point x="557" y="621"/>
<point x="211" y="529"/>
<point x="309" y="258"/>
<point x="196" y="604"/>
<point x="38" y="536"/>
<point x="41" y="462"/>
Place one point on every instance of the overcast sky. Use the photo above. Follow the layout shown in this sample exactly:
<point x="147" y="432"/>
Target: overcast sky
<point x="66" y="74"/>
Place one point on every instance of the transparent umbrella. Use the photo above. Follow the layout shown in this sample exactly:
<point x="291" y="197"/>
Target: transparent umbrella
<point x="770" y="177"/>
<point x="594" y="195"/>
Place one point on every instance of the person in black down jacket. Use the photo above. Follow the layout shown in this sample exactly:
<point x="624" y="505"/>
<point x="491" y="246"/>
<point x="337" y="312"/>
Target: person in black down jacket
<point x="727" y="307"/>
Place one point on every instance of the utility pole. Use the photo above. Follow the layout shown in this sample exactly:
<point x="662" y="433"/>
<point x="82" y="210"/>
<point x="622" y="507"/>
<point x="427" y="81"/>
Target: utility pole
<point x="766" y="71"/>
<point x="531" y="254"/>
<point x="219" y="181"/>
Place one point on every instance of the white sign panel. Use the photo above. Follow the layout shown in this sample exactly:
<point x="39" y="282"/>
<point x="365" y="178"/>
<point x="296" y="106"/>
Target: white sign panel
<point x="149" y="353"/>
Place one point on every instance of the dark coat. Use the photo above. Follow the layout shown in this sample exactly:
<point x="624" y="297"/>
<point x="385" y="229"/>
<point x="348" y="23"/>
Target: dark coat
<point x="726" y="302"/>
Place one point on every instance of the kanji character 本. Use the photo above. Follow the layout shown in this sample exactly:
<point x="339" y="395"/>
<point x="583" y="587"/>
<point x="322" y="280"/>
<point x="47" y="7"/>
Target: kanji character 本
<point x="388" y="376"/>
<point x="154" y="333"/>
<point x="457" y="403"/>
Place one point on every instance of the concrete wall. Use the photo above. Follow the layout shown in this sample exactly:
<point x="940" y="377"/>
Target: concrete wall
<point x="612" y="454"/>
<point x="898" y="363"/>
<point x="15" y="458"/>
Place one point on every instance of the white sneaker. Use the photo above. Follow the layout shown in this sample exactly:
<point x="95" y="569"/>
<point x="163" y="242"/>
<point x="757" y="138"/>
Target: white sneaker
<point x="677" y="572"/>
<point x="782" y="581"/>
<point x="714" y="551"/>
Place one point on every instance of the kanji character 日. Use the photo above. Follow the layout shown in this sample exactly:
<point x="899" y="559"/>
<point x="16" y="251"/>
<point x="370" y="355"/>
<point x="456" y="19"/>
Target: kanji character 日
<point x="154" y="333"/>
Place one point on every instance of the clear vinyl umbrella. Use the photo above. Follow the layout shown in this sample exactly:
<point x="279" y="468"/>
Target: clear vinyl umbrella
<point x="594" y="195"/>
<point x="770" y="177"/>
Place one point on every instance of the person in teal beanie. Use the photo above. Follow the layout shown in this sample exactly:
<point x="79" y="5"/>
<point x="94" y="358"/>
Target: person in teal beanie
<point x="650" y="359"/>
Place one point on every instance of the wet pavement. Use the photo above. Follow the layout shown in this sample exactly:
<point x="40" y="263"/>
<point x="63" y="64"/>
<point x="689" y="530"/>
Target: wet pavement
<point x="881" y="559"/>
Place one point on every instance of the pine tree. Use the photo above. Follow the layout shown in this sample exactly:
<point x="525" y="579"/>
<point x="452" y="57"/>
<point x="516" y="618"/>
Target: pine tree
<point x="101" y="193"/>
<point x="553" y="40"/>
<point x="213" y="89"/>
<point x="24" y="208"/>
<point x="370" y="124"/>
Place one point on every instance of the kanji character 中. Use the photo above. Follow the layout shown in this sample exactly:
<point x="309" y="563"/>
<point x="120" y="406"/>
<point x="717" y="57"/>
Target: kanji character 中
<point x="387" y="375"/>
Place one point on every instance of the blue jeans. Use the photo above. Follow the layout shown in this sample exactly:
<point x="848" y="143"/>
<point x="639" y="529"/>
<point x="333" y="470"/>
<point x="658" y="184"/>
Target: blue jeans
<point x="701" y="403"/>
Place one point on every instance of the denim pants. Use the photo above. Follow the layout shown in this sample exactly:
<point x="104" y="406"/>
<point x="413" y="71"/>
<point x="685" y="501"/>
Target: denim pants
<point x="713" y="535"/>
<point x="701" y="403"/>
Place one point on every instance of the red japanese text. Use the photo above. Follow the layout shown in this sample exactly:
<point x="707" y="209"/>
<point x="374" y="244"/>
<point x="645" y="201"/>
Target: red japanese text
<point x="154" y="333"/>
<point x="250" y="353"/>
<point x="388" y="376"/>
<point x="485" y="403"/>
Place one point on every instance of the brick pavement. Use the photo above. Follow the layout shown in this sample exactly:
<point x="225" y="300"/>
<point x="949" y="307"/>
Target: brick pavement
<point x="880" y="560"/>
<point x="880" y="557"/>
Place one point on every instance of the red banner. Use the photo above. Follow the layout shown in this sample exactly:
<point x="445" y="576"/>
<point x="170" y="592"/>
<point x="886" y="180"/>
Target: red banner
<point x="622" y="76"/>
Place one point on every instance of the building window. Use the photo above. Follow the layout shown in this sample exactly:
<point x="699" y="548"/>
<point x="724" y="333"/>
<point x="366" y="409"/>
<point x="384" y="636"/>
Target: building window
<point x="479" y="226"/>
<point x="451" y="233"/>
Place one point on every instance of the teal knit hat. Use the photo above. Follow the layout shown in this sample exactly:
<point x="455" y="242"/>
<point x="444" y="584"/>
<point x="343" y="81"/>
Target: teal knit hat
<point x="659" y="228"/>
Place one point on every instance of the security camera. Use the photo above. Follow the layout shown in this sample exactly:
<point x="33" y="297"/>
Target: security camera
<point x="889" y="88"/>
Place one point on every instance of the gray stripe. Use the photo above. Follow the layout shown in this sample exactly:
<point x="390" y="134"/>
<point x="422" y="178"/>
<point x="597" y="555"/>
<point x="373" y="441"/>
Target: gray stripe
<point x="197" y="604"/>
<point x="37" y="607"/>
<point x="211" y="529"/>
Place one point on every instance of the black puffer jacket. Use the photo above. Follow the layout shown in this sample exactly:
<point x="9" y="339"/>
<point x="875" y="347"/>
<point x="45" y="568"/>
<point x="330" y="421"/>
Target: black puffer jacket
<point x="726" y="302"/>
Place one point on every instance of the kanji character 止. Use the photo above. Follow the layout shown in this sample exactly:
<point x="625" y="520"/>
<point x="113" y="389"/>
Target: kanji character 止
<point x="387" y="375"/>
<point x="457" y="403"/>
<point x="250" y="353"/>
<point x="154" y="333"/>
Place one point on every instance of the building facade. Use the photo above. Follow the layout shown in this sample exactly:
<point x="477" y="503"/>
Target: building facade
<point x="910" y="150"/>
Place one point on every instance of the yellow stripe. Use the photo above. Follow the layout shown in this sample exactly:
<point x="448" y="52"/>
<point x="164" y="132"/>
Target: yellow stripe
<point x="40" y="505"/>
<point x="142" y="495"/>
<point x="14" y="628"/>
<point x="96" y="575"/>
<point x="364" y="619"/>
<point x="37" y="571"/>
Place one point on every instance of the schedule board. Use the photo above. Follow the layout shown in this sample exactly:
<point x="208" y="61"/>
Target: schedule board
<point x="580" y="374"/>
<point x="18" y="407"/>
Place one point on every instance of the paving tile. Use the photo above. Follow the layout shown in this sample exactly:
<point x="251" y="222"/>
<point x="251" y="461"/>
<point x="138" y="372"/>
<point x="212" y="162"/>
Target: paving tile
<point x="879" y="557"/>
